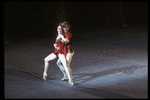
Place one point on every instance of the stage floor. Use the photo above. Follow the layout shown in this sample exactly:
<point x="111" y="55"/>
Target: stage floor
<point x="102" y="67"/>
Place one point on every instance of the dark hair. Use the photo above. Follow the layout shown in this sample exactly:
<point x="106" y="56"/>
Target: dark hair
<point x="65" y="23"/>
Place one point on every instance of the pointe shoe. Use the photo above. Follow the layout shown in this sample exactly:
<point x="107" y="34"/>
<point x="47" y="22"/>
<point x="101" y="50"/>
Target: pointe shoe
<point x="44" y="76"/>
<point x="71" y="83"/>
<point x="64" y="79"/>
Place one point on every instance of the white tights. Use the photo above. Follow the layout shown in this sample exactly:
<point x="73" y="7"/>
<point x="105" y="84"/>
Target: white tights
<point x="52" y="56"/>
<point x="68" y="58"/>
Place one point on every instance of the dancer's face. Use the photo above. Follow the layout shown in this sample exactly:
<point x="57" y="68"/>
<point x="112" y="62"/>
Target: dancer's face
<point x="59" y="29"/>
<point x="66" y="29"/>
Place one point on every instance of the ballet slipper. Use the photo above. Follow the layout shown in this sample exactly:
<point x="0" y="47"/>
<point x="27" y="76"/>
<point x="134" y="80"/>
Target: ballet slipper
<point x="71" y="83"/>
<point x="64" y="78"/>
<point x="44" y="76"/>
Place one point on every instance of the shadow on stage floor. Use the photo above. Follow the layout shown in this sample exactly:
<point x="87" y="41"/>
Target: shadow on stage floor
<point x="25" y="81"/>
<point x="84" y="77"/>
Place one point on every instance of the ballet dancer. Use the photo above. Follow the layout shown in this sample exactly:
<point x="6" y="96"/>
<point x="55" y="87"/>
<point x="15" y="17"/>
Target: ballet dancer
<point x="68" y="50"/>
<point x="58" y="52"/>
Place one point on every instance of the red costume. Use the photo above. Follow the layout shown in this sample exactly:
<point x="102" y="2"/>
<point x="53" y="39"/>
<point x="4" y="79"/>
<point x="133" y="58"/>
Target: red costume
<point x="60" y="45"/>
<point x="68" y="46"/>
<point x="64" y="48"/>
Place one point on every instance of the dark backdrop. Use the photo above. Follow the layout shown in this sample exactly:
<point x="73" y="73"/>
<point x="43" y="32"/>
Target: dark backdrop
<point x="32" y="20"/>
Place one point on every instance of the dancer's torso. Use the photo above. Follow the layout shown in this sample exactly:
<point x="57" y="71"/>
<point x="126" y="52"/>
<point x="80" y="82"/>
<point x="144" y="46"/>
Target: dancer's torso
<point x="64" y="48"/>
<point x="60" y="45"/>
<point x="68" y="46"/>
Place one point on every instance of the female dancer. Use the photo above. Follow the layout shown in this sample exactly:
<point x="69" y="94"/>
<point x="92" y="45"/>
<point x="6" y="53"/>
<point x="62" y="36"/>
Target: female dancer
<point x="68" y="50"/>
<point x="58" y="51"/>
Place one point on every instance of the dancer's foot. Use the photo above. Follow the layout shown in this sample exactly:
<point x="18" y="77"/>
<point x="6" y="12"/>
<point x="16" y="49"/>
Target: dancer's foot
<point x="64" y="78"/>
<point x="44" y="76"/>
<point x="71" y="83"/>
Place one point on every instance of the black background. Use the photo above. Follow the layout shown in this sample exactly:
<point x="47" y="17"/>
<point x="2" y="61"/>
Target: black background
<point x="31" y="20"/>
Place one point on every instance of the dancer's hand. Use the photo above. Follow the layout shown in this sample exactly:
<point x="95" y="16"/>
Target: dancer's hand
<point x="63" y="39"/>
<point x="57" y="48"/>
<point x="55" y="45"/>
<point x="60" y="36"/>
<point x="66" y="41"/>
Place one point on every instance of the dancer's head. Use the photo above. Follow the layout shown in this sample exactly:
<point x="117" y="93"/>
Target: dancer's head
<point x="60" y="29"/>
<point x="66" y="26"/>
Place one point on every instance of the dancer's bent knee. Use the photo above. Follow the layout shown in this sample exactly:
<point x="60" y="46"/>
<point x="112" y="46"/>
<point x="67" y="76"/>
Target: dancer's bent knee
<point x="50" y="57"/>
